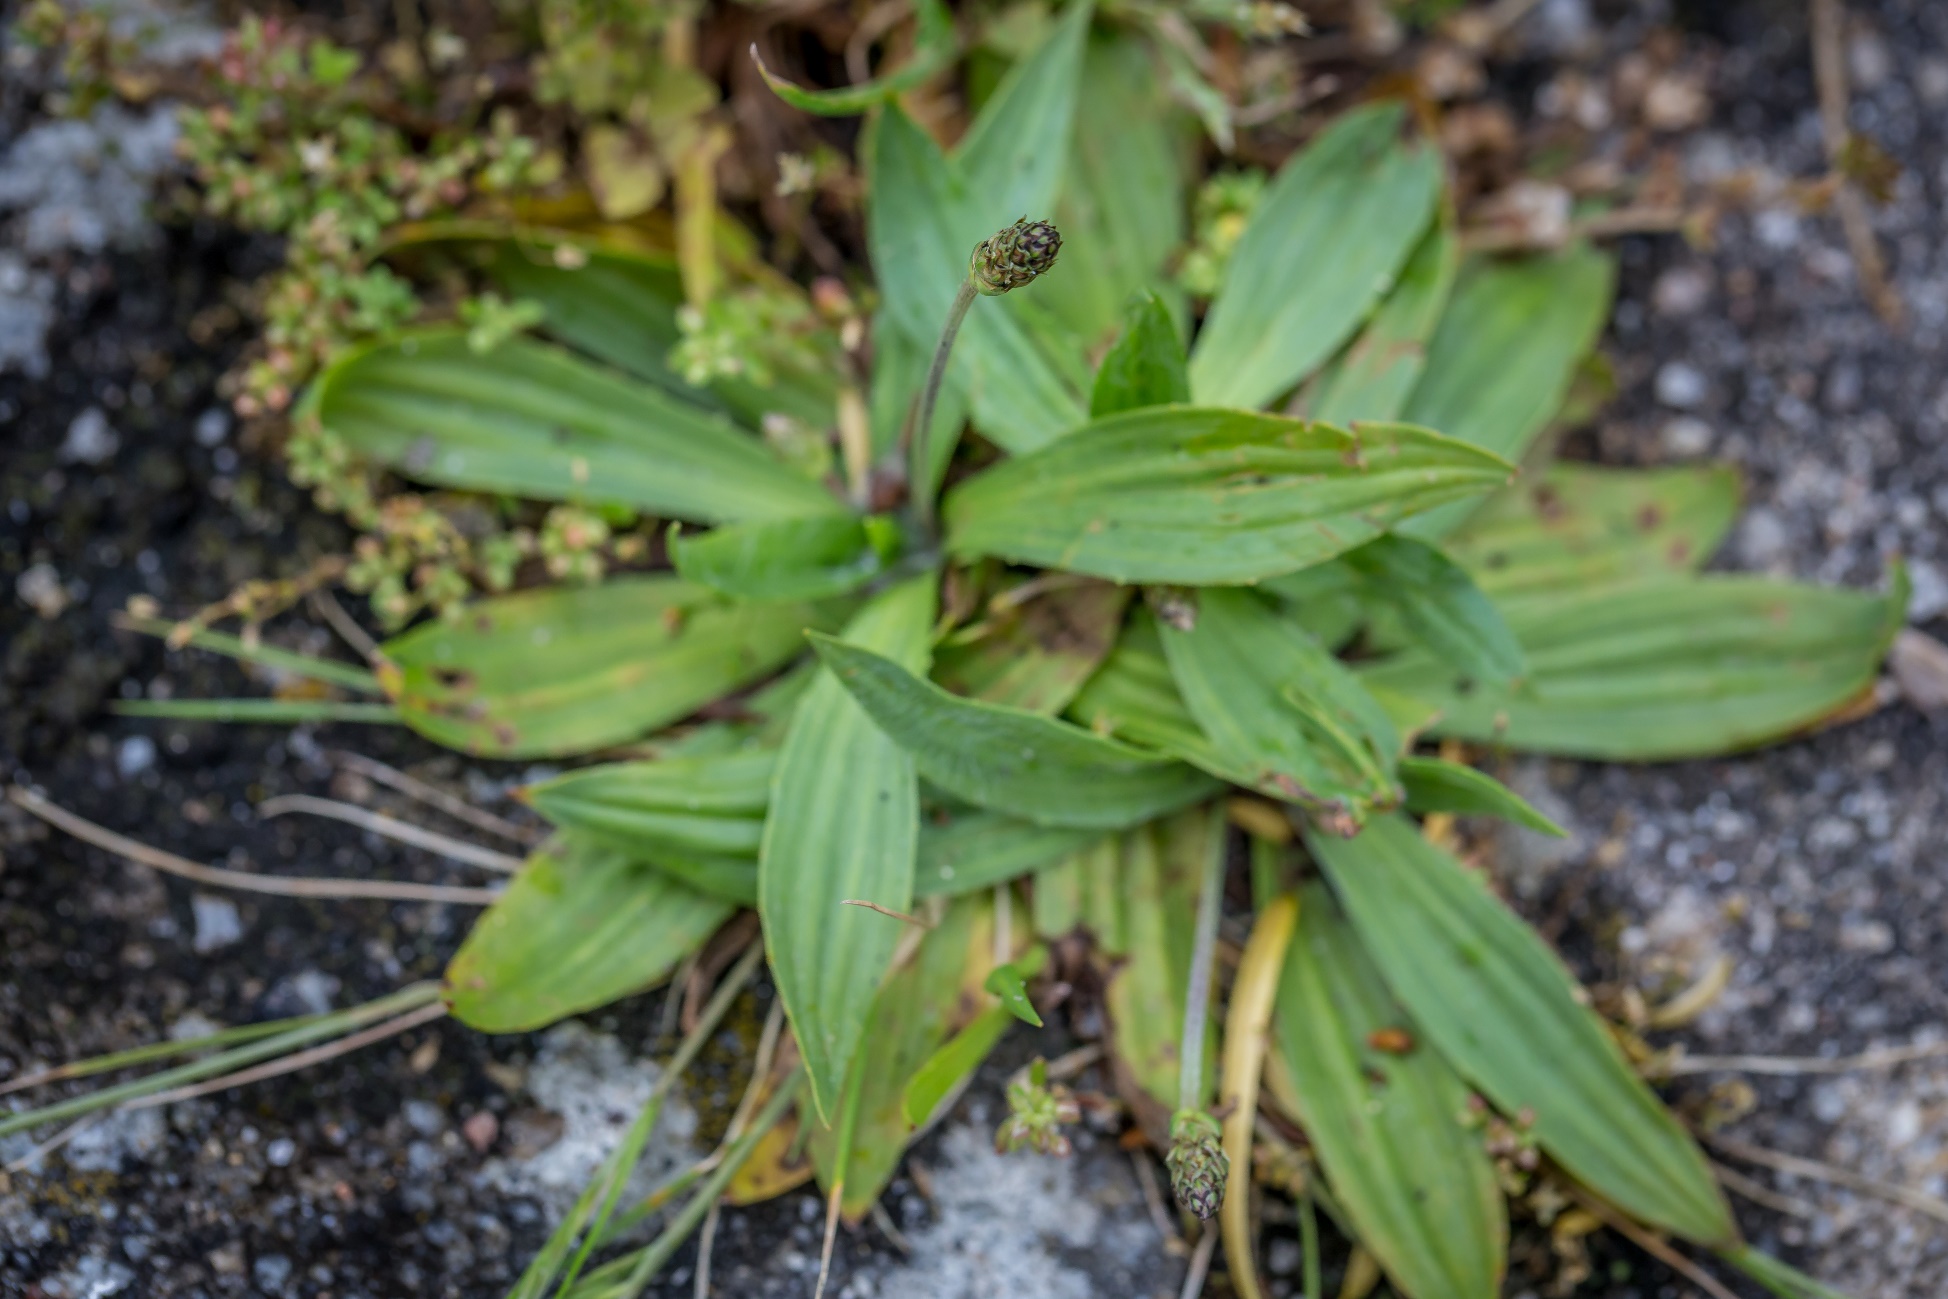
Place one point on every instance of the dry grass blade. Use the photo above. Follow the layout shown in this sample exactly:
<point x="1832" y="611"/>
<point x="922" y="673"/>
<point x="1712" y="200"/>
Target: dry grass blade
<point x="249" y="881"/>
<point x="1146" y="1179"/>
<point x="1786" y="1066"/>
<point x="1657" y="1247"/>
<point x="459" y="808"/>
<point x="1761" y="1194"/>
<point x="1200" y="1265"/>
<point x="1830" y="74"/>
<point x="1919" y="1201"/>
<point x="53" y="1143"/>
<point x="885" y="911"/>
<point x="1247" y="1038"/>
<point x="391" y="828"/>
<point x="326" y="606"/>
<point x="292" y="1063"/>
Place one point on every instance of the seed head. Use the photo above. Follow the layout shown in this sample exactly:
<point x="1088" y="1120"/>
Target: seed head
<point x="1012" y="257"/>
<point x="1197" y="1163"/>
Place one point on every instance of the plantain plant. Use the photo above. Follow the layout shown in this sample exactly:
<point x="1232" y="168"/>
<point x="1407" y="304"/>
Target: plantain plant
<point x="1172" y="594"/>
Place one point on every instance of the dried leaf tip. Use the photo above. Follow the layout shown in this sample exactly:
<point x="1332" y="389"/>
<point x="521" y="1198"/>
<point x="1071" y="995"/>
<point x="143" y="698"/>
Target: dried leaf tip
<point x="1197" y="1163"/>
<point x="1011" y="258"/>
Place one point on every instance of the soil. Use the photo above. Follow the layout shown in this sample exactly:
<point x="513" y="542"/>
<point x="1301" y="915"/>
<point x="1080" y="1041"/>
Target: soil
<point x="1817" y="867"/>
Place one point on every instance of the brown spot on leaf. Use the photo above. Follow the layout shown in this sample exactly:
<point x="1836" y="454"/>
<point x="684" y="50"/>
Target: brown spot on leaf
<point x="1393" y="1041"/>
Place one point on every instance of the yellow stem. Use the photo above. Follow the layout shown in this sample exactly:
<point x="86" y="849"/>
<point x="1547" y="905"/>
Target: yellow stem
<point x="1247" y="1037"/>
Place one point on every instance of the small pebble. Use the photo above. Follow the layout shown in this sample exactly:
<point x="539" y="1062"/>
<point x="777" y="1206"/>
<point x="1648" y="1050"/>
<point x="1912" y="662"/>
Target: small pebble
<point x="271" y="1272"/>
<point x="480" y="1130"/>
<point x="218" y="923"/>
<point x="90" y="440"/>
<point x="1681" y="291"/>
<point x="212" y="426"/>
<point x="1685" y="437"/>
<point x="134" y="755"/>
<point x="40" y="589"/>
<point x="1928" y="599"/>
<point x="280" y="1152"/>
<point x="1681" y="386"/>
<point x="424" y="1117"/>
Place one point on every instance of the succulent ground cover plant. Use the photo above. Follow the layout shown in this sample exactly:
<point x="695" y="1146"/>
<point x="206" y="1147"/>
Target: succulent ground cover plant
<point x="1202" y="589"/>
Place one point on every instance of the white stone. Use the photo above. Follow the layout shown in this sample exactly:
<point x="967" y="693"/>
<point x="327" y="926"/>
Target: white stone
<point x="90" y="440"/>
<point x="218" y="922"/>
<point x="1685" y="437"/>
<point x="1681" y="385"/>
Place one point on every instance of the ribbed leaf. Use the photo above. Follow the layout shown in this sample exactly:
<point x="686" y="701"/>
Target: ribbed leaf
<point x="1434" y="785"/>
<point x="1505" y="352"/>
<point x="1013" y="154"/>
<point x="1037" y="654"/>
<point x="1334" y="229"/>
<point x="1673" y="668"/>
<point x="912" y="1016"/>
<point x="531" y="420"/>
<point x="977" y="850"/>
<point x="621" y="659"/>
<point x="1278" y="705"/>
<point x="1122" y="207"/>
<point x="933" y="50"/>
<point x="1440" y="607"/>
<point x="1372" y="378"/>
<point x="580" y="926"/>
<point x="1146" y="367"/>
<point x="1008" y="759"/>
<point x="1498" y="1005"/>
<point x="1135" y="698"/>
<point x="1388" y="1127"/>
<point x="1580" y="526"/>
<point x="1778" y="1278"/>
<point x="1206" y="496"/>
<point x="702" y="804"/>
<point x="786" y="559"/>
<point x="843" y="824"/>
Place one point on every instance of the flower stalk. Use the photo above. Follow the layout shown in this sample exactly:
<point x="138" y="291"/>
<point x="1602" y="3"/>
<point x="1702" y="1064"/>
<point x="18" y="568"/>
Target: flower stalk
<point x="1002" y="262"/>
<point x="1198" y="1165"/>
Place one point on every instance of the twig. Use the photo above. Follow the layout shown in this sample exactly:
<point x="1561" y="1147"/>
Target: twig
<point x="1200" y="1265"/>
<point x="292" y="1063"/>
<point x="1919" y="1201"/>
<point x="298" y="886"/>
<point x="1656" y="1247"/>
<point x="391" y="828"/>
<point x="1146" y="1180"/>
<point x="1830" y="75"/>
<point x="326" y="606"/>
<point x="459" y="808"/>
<point x="706" y="1241"/>
<point x="831" y="1237"/>
<point x="887" y="1228"/>
<point x="885" y="911"/>
<point x="1786" y="1066"/>
<point x="1761" y="1194"/>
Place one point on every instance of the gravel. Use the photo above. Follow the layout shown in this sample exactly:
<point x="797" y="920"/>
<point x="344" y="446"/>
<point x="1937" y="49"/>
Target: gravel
<point x="433" y="1165"/>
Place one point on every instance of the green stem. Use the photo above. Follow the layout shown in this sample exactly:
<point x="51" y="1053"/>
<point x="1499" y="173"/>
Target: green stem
<point x="1197" y="996"/>
<point x="1309" y="1243"/>
<point x="920" y="469"/>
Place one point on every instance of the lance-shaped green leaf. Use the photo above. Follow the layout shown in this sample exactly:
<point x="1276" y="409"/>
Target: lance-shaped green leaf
<point x="1674" y="668"/>
<point x="580" y="926"/>
<point x="924" y="213"/>
<point x="1436" y="785"/>
<point x="1389" y="1127"/>
<point x="1037" y="654"/>
<point x="1333" y="231"/>
<point x="567" y="670"/>
<point x="531" y="420"/>
<point x="620" y="307"/>
<point x="977" y="850"/>
<point x="1008" y="759"/>
<point x="1207" y="496"/>
<point x="1781" y="1279"/>
<point x="1581" y="526"/>
<point x="843" y="824"/>
<point x="1372" y="378"/>
<point x="1154" y="894"/>
<point x="1145" y="367"/>
<point x="912" y="1015"/>
<point x="933" y="50"/>
<point x="1505" y="353"/>
<point x="1135" y="698"/>
<point x="948" y="1068"/>
<point x="698" y="819"/>
<point x="1498" y="1005"/>
<point x="1122" y="207"/>
<point x="1007" y="983"/>
<point x="1277" y="705"/>
<point x="787" y="559"/>
<point x="1439" y="605"/>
